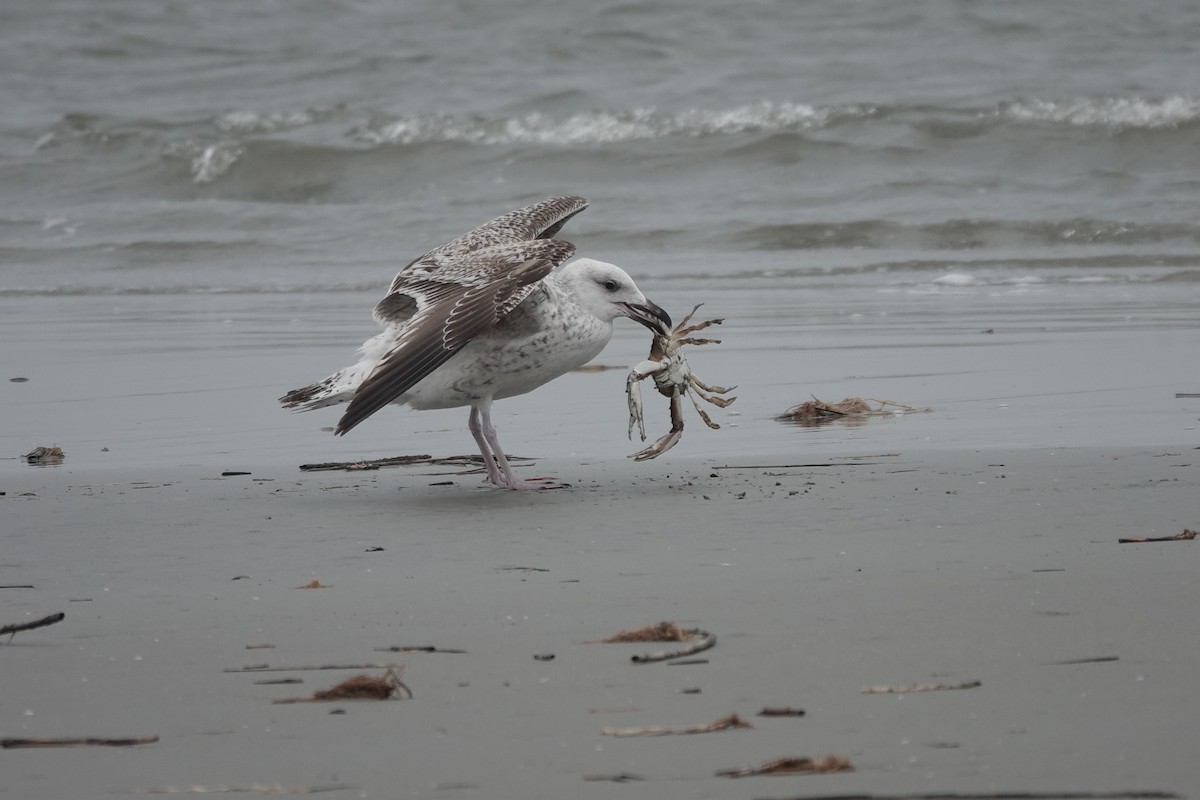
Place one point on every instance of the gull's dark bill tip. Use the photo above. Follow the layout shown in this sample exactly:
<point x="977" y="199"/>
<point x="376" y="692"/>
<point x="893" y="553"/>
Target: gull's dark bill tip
<point x="652" y="316"/>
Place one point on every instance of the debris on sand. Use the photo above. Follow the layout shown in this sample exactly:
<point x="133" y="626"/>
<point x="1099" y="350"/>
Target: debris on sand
<point x="45" y="456"/>
<point x="852" y="409"/>
<point x="467" y="464"/>
<point x="360" y="687"/>
<point x="723" y="724"/>
<point x="920" y="687"/>
<point x="662" y="632"/>
<point x="13" y="630"/>
<point x="12" y="744"/>
<point x="314" y="584"/>
<point x="243" y="788"/>
<point x="781" y="711"/>
<point x="1187" y="535"/>
<point x="799" y="765"/>
<point x="354" y="466"/>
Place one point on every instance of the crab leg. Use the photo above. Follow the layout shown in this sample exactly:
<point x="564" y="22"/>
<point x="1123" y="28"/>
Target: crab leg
<point x="633" y="391"/>
<point x="670" y="439"/>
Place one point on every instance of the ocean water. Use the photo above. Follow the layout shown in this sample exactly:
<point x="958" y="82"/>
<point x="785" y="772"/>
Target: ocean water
<point x="200" y="203"/>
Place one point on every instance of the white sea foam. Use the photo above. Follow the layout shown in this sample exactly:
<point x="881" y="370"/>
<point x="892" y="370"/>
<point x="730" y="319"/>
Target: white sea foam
<point x="606" y="127"/>
<point x="1111" y="112"/>
<point x="214" y="161"/>
<point x="956" y="279"/>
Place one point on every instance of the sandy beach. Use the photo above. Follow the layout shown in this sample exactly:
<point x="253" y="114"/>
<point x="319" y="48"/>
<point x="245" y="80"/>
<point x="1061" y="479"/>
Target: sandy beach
<point x="946" y="567"/>
<point x="983" y="211"/>
<point x="977" y="542"/>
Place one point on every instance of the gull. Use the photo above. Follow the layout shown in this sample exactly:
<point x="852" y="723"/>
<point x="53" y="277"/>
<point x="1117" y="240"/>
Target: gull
<point x="489" y="315"/>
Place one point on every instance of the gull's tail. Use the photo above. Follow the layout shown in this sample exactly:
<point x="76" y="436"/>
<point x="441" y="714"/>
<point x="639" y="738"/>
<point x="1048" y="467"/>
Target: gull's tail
<point x="337" y="388"/>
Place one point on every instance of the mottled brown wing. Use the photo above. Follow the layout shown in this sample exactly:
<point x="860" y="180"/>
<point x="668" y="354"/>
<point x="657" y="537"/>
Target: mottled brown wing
<point x="453" y="305"/>
<point x="539" y="221"/>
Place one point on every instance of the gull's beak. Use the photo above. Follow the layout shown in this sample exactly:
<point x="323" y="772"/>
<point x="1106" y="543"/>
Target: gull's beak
<point x="649" y="315"/>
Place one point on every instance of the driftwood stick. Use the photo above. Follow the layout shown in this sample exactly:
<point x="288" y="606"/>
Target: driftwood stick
<point x="1187" y="535"/>
<point x="13" y="744"/>
<point x="920" y="687"/>
<point x="722" y="724"/>
<point x="13" y="630"/>
<point x="704" y="641"/>
<point x="258" y="788"/>
<point x="269" y="668"/>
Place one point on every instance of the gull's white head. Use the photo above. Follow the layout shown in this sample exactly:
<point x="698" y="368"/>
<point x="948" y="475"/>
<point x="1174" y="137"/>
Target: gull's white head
<point x="608" y="292"/>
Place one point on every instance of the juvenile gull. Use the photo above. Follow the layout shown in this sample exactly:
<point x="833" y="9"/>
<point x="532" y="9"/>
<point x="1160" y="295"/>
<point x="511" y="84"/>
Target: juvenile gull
<point x="489" y="315"/>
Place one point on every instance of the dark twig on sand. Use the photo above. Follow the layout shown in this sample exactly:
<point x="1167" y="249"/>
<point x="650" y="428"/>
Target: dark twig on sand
<point x="416" y="649"/>
<point x="13" y="630"/>
<point x="1187" y="535"/>
<point x="269" y="668"/>
<point x="723" y="724"/>
<point x="800" y="765"/>
<point x="783" y="711"/>
<point x="12" y="744"/>
<point x="474" y="462"/>
<point x="353" y="466"/>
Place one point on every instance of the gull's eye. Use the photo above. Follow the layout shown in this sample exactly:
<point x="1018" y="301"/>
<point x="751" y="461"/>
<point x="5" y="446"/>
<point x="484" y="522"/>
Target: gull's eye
<point x="610" y="286"/>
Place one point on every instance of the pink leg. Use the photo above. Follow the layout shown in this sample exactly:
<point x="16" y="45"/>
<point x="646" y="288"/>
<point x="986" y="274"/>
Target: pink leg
<point x="488" y="460"/>
<point x="499" y="471"/>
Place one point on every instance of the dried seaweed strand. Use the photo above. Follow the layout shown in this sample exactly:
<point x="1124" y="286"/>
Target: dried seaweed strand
<point x="662" y="632"/>
<point x="705" y="641"/>
<point x="258" y="788"/>
<point x="797" y="765"/>
<point x="359" y="687"/>
<point x="921" y="687"/>
<point x="722" y="724"/>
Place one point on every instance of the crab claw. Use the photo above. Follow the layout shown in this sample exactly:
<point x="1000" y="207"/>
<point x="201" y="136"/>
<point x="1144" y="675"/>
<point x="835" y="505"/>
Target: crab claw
<point x="658" y="448"/>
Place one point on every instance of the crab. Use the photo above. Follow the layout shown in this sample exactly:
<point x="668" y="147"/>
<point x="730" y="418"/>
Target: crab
<point x="673" y="378"/>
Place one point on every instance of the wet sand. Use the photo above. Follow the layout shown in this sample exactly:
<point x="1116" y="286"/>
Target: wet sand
<point x="977" y="542"/>
<point x="860" y="569"/>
